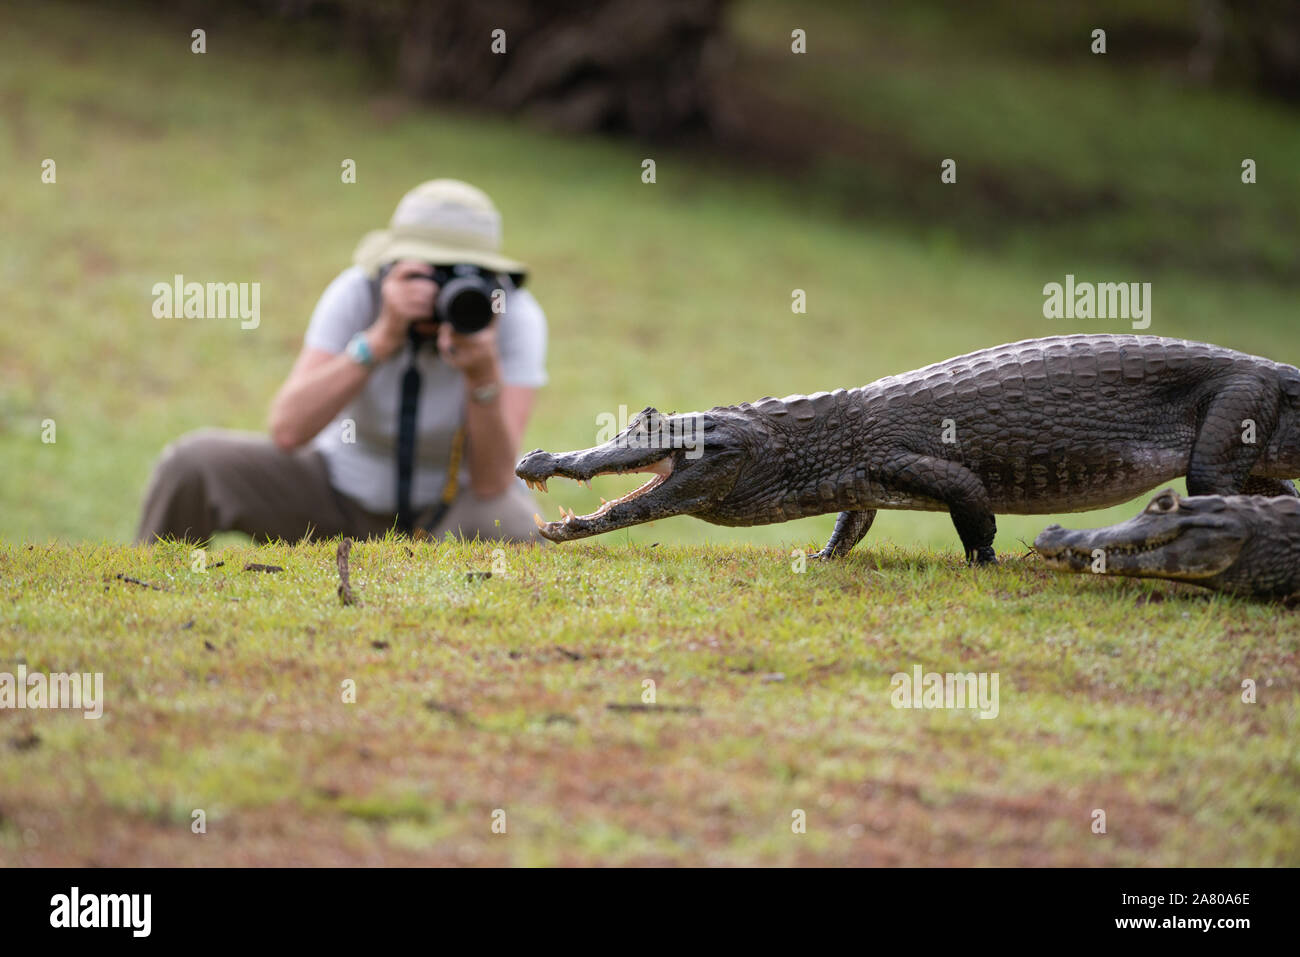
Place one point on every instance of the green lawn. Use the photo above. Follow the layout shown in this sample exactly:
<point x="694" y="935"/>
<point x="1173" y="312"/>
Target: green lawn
<point x="223" y="691"/>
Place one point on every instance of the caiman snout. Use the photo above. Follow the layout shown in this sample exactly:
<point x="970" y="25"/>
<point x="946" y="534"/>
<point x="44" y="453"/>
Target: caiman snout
<point x="1054" y="545"/>
<point x="1052" y="537"/>
<point x="536" y="466"/>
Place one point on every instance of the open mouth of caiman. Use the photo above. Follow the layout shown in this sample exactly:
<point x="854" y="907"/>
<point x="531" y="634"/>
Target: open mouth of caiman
<point x="659" y="470"/>
<point x="642" y="504"/>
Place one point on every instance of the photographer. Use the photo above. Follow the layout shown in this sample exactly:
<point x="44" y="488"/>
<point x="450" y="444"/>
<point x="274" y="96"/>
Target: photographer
<point x="404" y="409"/>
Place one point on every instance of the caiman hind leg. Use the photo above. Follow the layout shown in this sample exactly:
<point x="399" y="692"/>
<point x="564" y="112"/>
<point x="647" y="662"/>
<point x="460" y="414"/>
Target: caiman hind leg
<point x="1236" y="427"/>
<point x="957" y="487"/>
<point x="849" y="529"/>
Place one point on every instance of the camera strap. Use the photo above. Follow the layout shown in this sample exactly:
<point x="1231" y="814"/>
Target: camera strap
<point x="406" y="444"/>
<point x="406" y="435"/>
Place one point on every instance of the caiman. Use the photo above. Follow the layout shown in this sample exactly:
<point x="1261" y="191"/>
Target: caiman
<point x="1243" y="544"/>
<point x="1062" y="424"/>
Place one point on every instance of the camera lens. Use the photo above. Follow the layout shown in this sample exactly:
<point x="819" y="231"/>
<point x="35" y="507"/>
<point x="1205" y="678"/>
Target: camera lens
<point x="466" y="303"/>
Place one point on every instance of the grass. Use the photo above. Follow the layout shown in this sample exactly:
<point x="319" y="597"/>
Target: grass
<point x="223" y="693"/>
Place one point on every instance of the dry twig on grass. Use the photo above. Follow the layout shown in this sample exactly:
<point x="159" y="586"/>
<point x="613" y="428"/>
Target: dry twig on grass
<point x="345" y="586"/>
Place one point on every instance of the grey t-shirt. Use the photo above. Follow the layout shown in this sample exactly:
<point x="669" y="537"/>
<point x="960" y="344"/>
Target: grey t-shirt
<point x="365" y="468"/>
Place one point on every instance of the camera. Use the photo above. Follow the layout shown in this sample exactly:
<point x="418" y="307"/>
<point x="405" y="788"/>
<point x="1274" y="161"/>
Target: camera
<point x="465" y="296"/>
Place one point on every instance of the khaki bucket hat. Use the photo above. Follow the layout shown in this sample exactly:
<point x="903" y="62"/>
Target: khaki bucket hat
<point x="443" y="221"/>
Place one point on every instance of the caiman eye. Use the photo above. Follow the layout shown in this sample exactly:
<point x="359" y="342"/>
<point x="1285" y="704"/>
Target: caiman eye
<point x="1168" y="502"/>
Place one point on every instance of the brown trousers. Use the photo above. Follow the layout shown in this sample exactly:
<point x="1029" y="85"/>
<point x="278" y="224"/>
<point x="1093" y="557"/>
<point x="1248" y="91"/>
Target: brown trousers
<point x="215" y="480"/>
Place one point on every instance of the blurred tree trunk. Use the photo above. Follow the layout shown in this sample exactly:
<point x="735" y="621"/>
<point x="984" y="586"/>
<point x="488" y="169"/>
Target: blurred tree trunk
<point x="1269" y="33"/>
<point x="645" y="67"/>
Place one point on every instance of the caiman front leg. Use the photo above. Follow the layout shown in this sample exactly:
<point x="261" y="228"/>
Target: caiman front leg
<point x="849" y="529"/>
<point x="957" y="487"/>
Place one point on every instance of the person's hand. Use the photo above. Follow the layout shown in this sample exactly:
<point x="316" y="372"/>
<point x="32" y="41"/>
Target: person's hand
<point x="475" y="354"/>
<point x="407" y="294"/>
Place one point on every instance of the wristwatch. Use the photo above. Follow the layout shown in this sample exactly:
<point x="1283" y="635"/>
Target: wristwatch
<point x="485" y="393"/>
<point x="358" y="350"/>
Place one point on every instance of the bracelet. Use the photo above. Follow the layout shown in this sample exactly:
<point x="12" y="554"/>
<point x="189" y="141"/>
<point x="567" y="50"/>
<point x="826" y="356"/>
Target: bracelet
<point x="485" y="393"/>
<point x="358" y="350"/>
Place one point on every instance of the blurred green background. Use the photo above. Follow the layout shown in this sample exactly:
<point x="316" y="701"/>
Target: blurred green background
<point x="817" y="171"/>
